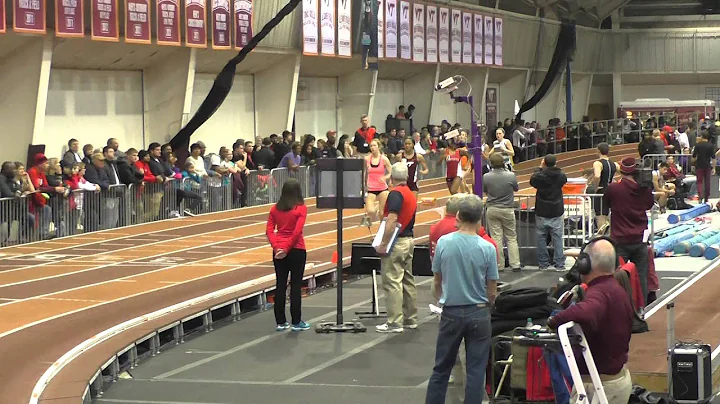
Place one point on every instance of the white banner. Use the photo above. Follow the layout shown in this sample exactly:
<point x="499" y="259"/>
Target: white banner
<point x="444" y="35"/>
<point x="344" y="29"/>
<point x="327" y="27"/>
<point x="431" y="35"/>
<point x="456" y="36"/>
<point x="498" y="41"/>
<point x="478" y="39"/>
<point x="310" y="27"/>
<point x="418" y="32"/>
<point x="405" y="38"/>
<point x="381" y="29"/>
<point x="467" y="43"/>
<point x="488" y="31"/>
<point x="391" y="40"/>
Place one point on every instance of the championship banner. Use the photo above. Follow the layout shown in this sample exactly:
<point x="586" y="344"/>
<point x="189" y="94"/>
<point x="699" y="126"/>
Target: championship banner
<point x="104" y="20"/>
<point x="369" y="29"/>
<point x="418" y="32"/>
<point x="344" y="29"/>
<point x="381" y="28"/>
<point x="195" y="24"/>
<point x="405" y="37"/>
<point x="498" y="41"/>
<point x="431" y="35"/>
<point x="69" y="22"/>
<point x="310" y="27"/>
<point x="220" y="15"/>
<point x="327" y="27"/>
<point x="478" y="39"/>
<point x="3" y="29"/>
<point x="444" y="35"/>
<point x="28" y="16"/>
<point x="488" y="31"/>
<point x="137" y="21"/>
<point x="391" y="26"/>
<point x="243" y="22"/>
<point x="456" y="36"/>
<point x="467" y="44"/>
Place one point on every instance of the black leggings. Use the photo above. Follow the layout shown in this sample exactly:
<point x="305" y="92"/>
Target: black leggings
<point x="294" y="266"/>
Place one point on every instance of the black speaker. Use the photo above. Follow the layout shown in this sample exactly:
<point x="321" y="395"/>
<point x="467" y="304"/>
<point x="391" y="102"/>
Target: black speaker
<point x="364" y="259"/>
<point x="691" y="378"/>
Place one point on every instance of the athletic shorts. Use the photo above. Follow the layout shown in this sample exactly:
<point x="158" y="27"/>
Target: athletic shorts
<point x="601" y="209"/>
<point x="413" y="186"/>
<point x="377" y="193"/>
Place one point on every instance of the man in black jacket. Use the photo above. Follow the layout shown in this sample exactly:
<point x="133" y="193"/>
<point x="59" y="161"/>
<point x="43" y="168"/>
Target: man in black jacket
<point x="129" y="174"/>
<point x="549" y="211"/>
<point x="265" y="156"/>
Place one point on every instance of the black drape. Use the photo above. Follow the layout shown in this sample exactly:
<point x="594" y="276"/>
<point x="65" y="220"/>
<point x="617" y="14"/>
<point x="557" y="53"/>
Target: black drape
<point x="564" y="52"/>
<point x="222" y="85"/>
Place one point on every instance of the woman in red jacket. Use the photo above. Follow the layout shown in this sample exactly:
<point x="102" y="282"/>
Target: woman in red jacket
<point x="285" y="233"/>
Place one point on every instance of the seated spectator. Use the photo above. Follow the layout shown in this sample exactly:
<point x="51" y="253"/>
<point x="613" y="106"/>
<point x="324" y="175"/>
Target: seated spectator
<point x="38" y="177"/>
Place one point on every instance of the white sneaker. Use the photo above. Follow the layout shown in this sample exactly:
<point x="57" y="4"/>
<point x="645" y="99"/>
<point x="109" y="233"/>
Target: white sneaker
<point x="386" y="328"/>
<point x="175" y="213"/>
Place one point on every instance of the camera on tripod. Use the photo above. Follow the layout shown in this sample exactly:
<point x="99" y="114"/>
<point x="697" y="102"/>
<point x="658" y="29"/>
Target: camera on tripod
<point x="643" y="174"/>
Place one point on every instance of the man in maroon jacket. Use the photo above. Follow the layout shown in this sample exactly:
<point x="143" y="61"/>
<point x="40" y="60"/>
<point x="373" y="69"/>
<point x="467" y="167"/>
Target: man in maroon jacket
<point x="629" y="203"/>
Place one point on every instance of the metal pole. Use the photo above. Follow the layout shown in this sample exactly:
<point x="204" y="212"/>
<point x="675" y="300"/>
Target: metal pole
<point x="568" y="93"/>
<point x="476" y="143"/>
<point x="340" y="195"/>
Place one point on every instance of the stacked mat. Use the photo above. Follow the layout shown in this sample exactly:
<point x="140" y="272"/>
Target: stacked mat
<point x="514" y="307"/>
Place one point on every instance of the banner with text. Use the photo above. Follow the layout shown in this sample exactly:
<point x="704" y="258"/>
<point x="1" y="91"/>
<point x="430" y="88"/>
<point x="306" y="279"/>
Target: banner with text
<point x="29" y="16"/>
<point x="391" y="29"/>
<point x="327" y="27"/>
<point x="431" y="33"/>
<point x="444" y="35"/>
<point x="368" y="28"/>
<point x="221" y="18"/>
<point x="243" y="22"/>
<point x="456" y="36"/>
<point x="69" y="21"/>
<point x="467" y="45"/>
<point x="310" y="27"/>
<point x="381" y="28"/>
<point x="405" y="36"/>
<point x="344" y="29"/>
<point x="167" y="20"/>
<point x="418" y="32"/>
<point x="498" y="41"/>
<point x="488" y="31"/>
<point x="3" y="29"/>
<point x="478" y="39"/>
<point x="137" y="21"/>
<point x="195" y="24"/>
<point x="104" y="20"/>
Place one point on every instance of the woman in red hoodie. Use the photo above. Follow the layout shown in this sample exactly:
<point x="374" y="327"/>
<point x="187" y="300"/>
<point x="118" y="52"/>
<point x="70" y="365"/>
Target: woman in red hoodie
<point x="285" y="233"/>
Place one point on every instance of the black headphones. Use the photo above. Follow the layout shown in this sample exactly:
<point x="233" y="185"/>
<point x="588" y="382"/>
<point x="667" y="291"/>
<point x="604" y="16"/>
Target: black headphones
<point x="583" y="264"/>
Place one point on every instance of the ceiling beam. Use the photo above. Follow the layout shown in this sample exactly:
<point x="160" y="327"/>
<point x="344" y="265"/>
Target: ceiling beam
<point x="671" y="18"/>
<point x="662" y="5"/>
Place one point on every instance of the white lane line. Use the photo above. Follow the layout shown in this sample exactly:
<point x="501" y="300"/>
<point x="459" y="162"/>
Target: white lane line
<point x="680" y="288"/>
<point x="673" y="278"/>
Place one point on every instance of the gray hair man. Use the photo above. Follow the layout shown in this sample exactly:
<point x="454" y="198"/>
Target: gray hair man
<point x="606" y="317"/>
<point x="500" y="186"/>
<point x="466" y="273"/>
<point x="397" y="256"/>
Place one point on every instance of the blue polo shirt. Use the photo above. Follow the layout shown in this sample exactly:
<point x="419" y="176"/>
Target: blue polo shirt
<point x="466" y="262"/>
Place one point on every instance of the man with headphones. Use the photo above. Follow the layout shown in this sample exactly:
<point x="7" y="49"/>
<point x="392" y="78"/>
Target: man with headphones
<point x="606" y="317"/>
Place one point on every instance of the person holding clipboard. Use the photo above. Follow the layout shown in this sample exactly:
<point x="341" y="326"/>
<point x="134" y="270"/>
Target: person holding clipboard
<point x="394" y="243"/>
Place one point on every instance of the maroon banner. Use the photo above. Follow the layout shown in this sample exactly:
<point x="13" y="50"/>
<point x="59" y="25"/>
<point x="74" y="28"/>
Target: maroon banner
<point x="221" y="24"/>
<point x="195" y="24"/>
<point x="104" y="20"/>
<point x="29" y="16"/>
<point x="137" y="21"/>
<point x="168" y="22"/>
<point x="69" y="21"/>
<point x="243" y="22"/>
<point x="2" y="17"/>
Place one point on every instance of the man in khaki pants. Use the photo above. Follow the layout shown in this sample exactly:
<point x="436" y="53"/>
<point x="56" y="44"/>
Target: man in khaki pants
<point x="396" y="265"/>
<point x="500" y="186"/>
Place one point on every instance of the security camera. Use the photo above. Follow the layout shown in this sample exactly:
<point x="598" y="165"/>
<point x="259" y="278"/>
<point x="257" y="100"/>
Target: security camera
<point x="449" y="84"/>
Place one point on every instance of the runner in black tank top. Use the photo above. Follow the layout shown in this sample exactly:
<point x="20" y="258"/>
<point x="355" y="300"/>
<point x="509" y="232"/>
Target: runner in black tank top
<point x="604" y="171"/>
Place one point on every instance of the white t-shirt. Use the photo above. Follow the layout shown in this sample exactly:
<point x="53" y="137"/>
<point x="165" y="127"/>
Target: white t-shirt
<point x="199" y="165"/>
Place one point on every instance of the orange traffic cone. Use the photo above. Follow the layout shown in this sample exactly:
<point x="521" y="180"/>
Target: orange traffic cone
<point x="334" y="258"/>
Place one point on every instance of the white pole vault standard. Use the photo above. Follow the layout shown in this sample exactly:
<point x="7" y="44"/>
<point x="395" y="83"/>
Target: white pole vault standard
<point x="599" y="396"/>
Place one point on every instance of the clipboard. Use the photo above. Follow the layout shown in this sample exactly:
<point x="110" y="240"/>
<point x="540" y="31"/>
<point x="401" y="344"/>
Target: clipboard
<point x="381" y="235"/>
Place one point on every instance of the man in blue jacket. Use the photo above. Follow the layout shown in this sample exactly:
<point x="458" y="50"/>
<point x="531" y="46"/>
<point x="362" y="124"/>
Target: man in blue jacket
<point x="549" y="211"/>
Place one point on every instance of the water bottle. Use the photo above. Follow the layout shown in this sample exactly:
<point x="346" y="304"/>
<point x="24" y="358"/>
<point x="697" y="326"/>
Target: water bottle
<point x="529" y="325"/>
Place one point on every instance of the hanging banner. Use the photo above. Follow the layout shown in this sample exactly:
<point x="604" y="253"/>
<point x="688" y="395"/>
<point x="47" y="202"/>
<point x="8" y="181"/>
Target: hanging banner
<point x="344" y="29"/>
<point x="310" y="27"/>
<point x="104" y="20"/>
<point x="418" y="32"/>
<point x="195" y="24"/>
<point x="488" y="31"/>
<point x="405" y="37"/>
<point x="220" y="15"/>
<point x="327" y="27"/>
<point x="491" y="105"/>
<point x="431" y="35"/>
<point x="381" y="28"/>
<point x="391" y="29"/>
<point x="456" y="36"/>
<point x="369" y="29"/>
<point x="28" y="16"/>
<point x="69" y="22"/>
<point x="243" y="22"/>
<point x="137" y="21"/>
<point x="498" y="41"/>
<point x="478" y="39"/>
<point x="467" y="43"/>
<point x="167" y="20"/>
<point x="3" y="29"/>
<point x="444" y="35"/>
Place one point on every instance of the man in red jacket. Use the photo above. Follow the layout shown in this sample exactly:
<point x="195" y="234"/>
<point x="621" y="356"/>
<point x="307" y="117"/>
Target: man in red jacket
<point x="44" y="191"/>
<point x="629" y="203"/>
